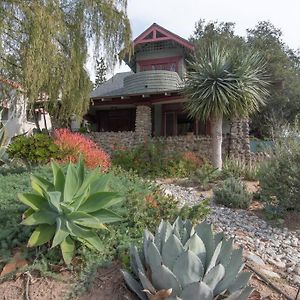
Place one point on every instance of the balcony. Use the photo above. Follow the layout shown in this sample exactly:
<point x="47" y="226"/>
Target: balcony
<point x="152" y="82"/>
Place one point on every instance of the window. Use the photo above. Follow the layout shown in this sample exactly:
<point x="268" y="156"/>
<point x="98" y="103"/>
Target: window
<point x="179" y="123"/>
<point x="184" y="124"/>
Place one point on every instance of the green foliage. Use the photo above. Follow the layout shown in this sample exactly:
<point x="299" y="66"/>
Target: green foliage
<point x="283" y="66"/>
<point x="239" y="169"/>
<point x="45" y="48"/>
<point x="12" y="233"/>
<point x="35" y="149"/>
<point x="187" y="263"/>
<point x="143" y="202"/>
<point x="232" y="193"/>
<point x="279" y="176"/>
<point x="69" y="209"/>
<point x="153" y="160"/>
<point x="205" y="175"/>
<point x="101" y="70"/>
<point x="225" y="81"/>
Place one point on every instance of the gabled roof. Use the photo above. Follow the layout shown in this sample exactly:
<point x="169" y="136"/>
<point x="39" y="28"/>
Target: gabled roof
<point x="112" y="86"/>
<point x="157" y="33"/>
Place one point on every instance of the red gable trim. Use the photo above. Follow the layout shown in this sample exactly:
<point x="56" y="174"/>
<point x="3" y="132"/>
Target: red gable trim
<point x="167" y="36"/>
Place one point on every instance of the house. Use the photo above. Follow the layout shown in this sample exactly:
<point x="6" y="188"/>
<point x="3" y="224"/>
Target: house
<point x="148" y="103"/>
<point x="14" y="110"/>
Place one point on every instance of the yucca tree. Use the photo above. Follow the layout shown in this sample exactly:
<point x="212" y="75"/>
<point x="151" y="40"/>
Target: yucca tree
<point x="224" y="82"/>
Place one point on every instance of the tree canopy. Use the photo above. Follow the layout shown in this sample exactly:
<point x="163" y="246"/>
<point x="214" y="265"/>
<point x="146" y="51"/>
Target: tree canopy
<point x="101" y="70"/>
<point x="282" y="66"/>
<point x="44" y="46"/>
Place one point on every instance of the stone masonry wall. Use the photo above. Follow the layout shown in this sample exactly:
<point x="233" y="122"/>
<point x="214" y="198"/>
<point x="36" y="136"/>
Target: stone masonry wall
<point x="109" y="141"/>
<point x="239" y="141"/>
<point x="143" y="123"/>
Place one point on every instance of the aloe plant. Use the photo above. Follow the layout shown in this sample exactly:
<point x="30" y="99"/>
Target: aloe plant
<point x="188" y="263"/>
<point x="69" y="209"/>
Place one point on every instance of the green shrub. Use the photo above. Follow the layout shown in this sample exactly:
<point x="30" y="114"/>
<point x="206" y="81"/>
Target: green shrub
<point x="69" y="209"/>
<point x="205" y="176"/>
<point x="153" y="160"/>
<point x="239" y="169"/>
<point x="279" y="176"/>
<point x="232" y="193"/>
<point x="12" y="233"/>
<point x="185" y="262"/>
<point x="35" y="149"/>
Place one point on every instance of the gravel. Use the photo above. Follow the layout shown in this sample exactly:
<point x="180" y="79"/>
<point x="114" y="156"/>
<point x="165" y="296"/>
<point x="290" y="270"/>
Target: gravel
<point x="277" y="247"/>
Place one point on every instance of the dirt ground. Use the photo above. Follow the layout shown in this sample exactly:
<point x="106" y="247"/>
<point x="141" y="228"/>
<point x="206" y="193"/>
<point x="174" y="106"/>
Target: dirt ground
<point x="108" y="285"/>
<point x="33" y="287"/>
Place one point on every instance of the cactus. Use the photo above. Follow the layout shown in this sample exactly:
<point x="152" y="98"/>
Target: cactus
<point x="187" y="263"/>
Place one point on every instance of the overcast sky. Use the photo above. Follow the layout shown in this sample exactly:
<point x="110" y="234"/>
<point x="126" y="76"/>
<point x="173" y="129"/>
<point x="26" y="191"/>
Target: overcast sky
<point x="180" y="16"/>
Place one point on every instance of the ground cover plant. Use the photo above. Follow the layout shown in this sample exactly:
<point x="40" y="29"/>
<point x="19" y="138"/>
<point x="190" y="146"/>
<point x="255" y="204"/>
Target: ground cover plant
<point x="240" y="169"/>
<point x="154" y="160"/>
<point x="143" y="203"/>
<point x="182" y="262"/>
<point x="232" y="193"/>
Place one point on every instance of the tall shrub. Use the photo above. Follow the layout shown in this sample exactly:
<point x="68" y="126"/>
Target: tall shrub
<point x="279" y="176"/>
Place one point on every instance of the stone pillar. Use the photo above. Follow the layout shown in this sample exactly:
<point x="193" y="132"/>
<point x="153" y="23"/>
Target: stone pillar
<point x="143" y="124"/>
<point x="246" y="141"/>
<point x="239" y="140"/>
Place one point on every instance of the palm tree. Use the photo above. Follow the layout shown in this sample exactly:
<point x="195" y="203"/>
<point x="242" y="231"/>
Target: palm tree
<point x="224" y="82"/>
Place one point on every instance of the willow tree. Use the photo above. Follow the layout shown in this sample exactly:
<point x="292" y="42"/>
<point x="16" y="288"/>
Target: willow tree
<point x="44" y="45"/>
<point x="224" y="81"/>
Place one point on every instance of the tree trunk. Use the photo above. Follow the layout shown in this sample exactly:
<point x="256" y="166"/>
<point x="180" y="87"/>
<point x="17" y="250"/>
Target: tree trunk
<point x="216" y="132"/>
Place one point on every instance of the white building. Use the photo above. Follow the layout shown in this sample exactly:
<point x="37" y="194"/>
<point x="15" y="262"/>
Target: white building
<point x="15" y="113"/>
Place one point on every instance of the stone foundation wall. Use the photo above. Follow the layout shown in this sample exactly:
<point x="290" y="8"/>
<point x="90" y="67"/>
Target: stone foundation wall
<point x="109" y="141"/>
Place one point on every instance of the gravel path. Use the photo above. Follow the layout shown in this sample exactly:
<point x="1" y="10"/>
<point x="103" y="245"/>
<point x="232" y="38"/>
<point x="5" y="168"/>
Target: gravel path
<point x="264" y="245"/>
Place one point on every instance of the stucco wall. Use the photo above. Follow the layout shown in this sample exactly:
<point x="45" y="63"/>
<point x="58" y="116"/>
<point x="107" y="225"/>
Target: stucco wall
<point x="17" y="122"/>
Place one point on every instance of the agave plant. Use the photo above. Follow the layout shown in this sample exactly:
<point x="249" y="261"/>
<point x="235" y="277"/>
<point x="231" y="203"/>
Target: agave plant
<point x="69" y="209"/>
<point x="188" y="263"/>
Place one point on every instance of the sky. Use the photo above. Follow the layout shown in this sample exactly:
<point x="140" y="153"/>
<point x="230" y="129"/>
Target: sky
<point x="180" y="16"/>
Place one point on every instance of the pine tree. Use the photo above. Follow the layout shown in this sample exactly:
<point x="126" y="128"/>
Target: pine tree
<point x="44" y="46"/>
<point x="101" y="70"/>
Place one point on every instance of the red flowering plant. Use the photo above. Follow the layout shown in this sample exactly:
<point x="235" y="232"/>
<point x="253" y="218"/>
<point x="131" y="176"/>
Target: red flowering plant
<point x="75" y="144"/>
<point x="192" y="158"/>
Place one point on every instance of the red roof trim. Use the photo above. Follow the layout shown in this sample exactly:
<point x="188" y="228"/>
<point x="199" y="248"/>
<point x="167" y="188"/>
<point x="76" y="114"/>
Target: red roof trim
<point x="168" y="35"/>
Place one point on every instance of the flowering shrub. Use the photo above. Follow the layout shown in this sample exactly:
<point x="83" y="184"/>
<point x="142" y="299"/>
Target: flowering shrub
<point x="192" y="158"/>
<point x="73" y="144"/>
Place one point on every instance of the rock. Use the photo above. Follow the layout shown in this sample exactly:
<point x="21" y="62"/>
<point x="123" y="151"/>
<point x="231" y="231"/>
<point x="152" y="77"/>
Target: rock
<point x="279" y="247"/>
<point x="278" y="264"/>
<point x="270" y="273"/>
<point x="297" y="270"/>
<point x="296" y="279"/>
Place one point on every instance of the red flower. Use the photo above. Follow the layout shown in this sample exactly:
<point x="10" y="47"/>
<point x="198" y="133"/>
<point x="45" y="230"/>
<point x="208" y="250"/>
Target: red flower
<point x="73" y="144"/>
